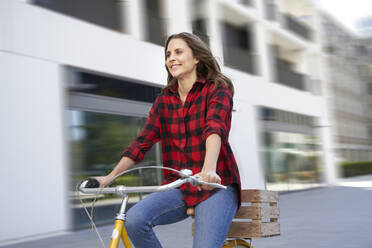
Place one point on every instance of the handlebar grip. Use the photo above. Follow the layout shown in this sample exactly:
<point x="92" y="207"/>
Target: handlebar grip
<point x="92" y="183"/>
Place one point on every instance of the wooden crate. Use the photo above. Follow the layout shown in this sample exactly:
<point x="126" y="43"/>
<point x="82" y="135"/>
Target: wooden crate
<point x="257" y="217"/>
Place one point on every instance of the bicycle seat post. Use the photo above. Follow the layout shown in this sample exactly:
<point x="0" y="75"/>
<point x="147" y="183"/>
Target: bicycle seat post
<point x="121" y="214"/>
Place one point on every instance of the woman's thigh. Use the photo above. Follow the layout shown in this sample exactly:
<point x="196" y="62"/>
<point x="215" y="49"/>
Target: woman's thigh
<point x="213" y="218"/>
<point x="159" y="208"/>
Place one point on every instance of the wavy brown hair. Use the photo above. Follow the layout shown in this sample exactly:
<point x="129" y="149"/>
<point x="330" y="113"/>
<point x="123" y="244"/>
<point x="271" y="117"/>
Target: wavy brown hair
<point x="207" y="66"/>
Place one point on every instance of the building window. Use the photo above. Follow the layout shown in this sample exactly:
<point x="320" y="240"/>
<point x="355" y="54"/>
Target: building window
<point x="96" y="141"/>
<point x="199" y="28"/>
<point x="369" y="89"/>
<point x="155" y="22"/>
<point x="90" y="83"/>
<point x="104" y="13"/>
<point x="291" y="160"/>
<point x="104" y="115"/>
<point x="238" y="49"/>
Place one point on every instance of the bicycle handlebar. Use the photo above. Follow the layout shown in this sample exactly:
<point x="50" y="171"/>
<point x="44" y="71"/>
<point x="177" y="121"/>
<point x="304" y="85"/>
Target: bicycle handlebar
<point x="122" y="190"/>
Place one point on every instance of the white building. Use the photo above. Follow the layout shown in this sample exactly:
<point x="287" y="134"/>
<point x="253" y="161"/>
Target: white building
<point x="347" y="59"/>
<point x="78" y="81"/>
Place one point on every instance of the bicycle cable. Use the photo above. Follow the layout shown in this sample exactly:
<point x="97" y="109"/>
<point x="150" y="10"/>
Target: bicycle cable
<point x="91" y="214"/>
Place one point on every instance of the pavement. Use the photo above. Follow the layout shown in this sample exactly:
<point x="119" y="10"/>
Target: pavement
<point x="328" y="217"/>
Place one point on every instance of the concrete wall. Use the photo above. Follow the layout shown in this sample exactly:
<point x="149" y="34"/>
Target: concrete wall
<point x="34" y="168"/>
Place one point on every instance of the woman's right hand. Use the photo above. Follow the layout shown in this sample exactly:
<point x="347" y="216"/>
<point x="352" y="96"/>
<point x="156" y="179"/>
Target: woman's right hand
<point x="104" y="180"/>
<point x="124" y="164"/>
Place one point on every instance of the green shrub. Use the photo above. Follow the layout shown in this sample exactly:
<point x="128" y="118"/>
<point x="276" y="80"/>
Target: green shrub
<point x="350" y="169"/>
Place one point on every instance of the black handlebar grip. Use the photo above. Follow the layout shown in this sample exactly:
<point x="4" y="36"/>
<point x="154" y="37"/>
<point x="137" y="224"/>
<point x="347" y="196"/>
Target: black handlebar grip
<point x="92" y="183"/>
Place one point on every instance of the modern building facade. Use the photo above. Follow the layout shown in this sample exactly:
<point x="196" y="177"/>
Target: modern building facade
<point x="366" y="72"/>
<point x="346" y="61"/>
<point x="80" y="78"/>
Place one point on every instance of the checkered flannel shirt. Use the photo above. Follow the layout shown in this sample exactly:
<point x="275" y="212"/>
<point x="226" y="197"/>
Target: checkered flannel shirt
<point x="183" y="129"/>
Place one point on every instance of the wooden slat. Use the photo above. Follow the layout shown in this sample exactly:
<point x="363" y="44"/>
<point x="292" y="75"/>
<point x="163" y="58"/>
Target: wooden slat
<point x="248" y="212"/>
<point x="257" y="212"/>
<point x="270" y="229"/>
<point x="256" y="195"/>
<point x="269" y="212"/>
<point x="253" y="230"/>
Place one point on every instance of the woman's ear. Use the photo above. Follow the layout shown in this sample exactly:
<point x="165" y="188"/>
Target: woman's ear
<point x="196" y="61"/>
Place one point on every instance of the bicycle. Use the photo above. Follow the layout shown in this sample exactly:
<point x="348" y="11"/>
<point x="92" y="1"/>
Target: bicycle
<point x="119" y="232"/>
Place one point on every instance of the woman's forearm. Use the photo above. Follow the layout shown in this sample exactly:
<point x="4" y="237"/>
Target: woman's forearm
<point x="213" y="146"/>
<point x="124" y="164"/>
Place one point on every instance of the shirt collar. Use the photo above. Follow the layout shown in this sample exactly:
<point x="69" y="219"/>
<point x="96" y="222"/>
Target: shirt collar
<point x="174" y="88"/>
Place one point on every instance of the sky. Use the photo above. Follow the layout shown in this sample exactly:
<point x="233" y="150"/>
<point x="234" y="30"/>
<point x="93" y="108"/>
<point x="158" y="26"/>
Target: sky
<point x="347" y="11"/>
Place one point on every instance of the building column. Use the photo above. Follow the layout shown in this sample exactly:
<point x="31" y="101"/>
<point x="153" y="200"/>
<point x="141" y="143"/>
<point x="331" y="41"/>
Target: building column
<point x="177" y="14"/>
<point x="132" y="16"/>
<point x="214" y="30"/>
<point x="245" y="130"/>
<point x="330" y="173"/>
<point x="263" y="58"/>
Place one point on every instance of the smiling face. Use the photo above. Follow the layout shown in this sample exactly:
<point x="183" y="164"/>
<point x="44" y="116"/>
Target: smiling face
<point x="180" y="59"/>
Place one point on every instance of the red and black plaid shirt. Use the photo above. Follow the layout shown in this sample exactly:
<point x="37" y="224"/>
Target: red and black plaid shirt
<point x="183" y="129"/>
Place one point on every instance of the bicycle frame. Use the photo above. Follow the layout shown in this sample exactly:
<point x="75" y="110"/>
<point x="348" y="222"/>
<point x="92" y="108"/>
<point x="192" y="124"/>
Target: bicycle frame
<point x="119" y="231"/>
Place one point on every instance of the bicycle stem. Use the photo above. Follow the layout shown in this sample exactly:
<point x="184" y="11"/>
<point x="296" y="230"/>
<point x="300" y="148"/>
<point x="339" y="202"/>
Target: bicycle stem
<point x="121" y="215"/>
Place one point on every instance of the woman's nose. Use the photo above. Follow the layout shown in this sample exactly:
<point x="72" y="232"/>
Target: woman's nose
<point x="171" y="57"/>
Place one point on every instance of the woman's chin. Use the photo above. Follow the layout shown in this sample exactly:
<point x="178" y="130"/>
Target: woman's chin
<point x="176" y="75"/>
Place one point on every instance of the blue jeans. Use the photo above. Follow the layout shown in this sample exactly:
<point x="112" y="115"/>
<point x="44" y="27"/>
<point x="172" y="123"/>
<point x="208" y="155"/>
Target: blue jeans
<point x="212" y="217"/>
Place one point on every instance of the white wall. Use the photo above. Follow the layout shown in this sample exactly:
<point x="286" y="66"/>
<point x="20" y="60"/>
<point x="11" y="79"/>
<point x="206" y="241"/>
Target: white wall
<point x="244" y="142"/>
<point x="65" y="40"/>
<point x="33" y="175"/>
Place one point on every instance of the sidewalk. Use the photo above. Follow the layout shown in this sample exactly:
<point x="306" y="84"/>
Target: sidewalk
<point x="325" y="217"/>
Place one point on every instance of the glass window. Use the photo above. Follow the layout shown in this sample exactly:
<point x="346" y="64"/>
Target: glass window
<point x="155" y="22"/>
<point x="104" y="13"/>
<point x="369" y="86"/>
<point x="199" y="28"/>
<point x="96" y="142"/>
<point x="291" y="160"/>
<point x="112" y="87"/>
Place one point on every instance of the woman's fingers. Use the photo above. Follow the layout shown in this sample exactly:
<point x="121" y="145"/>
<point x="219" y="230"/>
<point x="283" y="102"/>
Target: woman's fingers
<point x="103" y="181"/>
<point x="208" y="177"/>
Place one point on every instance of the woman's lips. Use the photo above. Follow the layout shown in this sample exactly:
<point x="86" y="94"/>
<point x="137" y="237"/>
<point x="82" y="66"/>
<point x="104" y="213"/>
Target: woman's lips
<point x="173" y="67"/>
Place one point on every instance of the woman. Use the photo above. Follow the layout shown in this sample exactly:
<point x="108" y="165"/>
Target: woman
<point x="191" y="118"/>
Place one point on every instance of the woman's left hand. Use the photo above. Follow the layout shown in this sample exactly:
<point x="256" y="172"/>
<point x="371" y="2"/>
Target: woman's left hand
<point x="208" y="176"/>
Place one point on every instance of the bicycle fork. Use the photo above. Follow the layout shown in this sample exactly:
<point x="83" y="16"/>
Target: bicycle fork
<point x="119" y="231"/>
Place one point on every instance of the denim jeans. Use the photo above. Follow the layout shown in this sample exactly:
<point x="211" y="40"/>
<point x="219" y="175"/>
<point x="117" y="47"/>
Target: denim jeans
<point x="212" y="217"/>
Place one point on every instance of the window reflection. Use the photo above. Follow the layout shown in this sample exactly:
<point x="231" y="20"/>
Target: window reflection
<point x="291" y="160"/>
<point x="96" y="142"/>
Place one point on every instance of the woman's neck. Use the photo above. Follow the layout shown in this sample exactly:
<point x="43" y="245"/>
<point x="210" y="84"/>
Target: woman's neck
<point x="185" y="83"/>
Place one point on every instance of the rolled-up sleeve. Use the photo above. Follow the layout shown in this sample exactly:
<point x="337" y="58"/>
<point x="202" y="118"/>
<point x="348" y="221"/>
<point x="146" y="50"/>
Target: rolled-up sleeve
<point x="218" y="118"/>
<point x="148" y="136"/>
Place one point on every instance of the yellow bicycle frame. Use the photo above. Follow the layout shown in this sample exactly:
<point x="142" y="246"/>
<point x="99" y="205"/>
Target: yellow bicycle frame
<point x="119" y="231"/>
